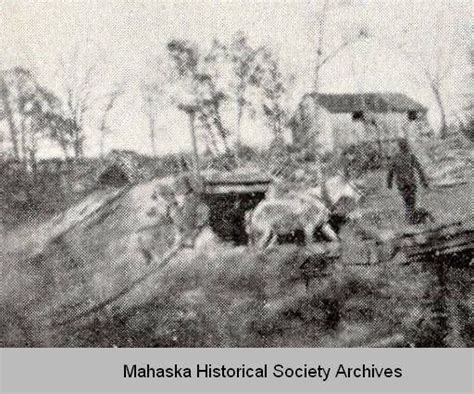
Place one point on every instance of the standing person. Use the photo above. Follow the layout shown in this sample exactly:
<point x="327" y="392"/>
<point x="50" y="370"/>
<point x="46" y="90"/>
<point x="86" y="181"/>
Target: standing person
<point x="403" y="166"/>
<point x="189" y="212"/>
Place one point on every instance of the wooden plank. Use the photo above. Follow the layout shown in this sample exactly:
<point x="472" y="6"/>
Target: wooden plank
<point x="236" y="178"/>
<point x="235" y="188"/>
<point x="458" y="245"/>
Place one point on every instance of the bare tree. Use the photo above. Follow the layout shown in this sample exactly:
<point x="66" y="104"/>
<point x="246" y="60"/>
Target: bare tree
<point x="150" y="110"/>
<point x="109" y="103"/>
<point x="274" y="86"/>
<point x="79" y="75"/>
<point x="36" y="109"/>
<point x="28" y="108"/>
<point x="442" y="57"/>
<point x="61" y="130"/>
<point x="320" y="43"/>
<point x="201" y="91"/>
<point x="324" y="55"/>
<point x="434" y="74"/>
<point x="247" y="72"/>
<point x="221" y="80"/>
<point x="155" y="95"/>
<point x="7" y="112"/>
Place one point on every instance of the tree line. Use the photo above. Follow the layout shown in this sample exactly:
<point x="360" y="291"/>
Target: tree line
<point x="34" y="112"/>
<point x="227" y="77"/>
<point x="223" y="84"/>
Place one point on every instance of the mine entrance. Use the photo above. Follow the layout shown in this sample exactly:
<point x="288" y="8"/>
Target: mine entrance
<point x="229" y="198"/>
<point x="227" y="214"/>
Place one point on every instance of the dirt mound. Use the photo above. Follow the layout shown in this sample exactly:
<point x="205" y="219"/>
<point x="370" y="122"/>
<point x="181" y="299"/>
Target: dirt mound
<point x="79" y="258"/>
<point x="223" y="296"/>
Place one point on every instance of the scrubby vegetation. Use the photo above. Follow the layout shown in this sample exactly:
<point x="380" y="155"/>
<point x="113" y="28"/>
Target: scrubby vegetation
<point x="224" y="296"/>
<point x="260" y="301"/>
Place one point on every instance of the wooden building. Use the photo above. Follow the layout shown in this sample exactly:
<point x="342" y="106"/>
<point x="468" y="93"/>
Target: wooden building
<point x="334" y="121"/>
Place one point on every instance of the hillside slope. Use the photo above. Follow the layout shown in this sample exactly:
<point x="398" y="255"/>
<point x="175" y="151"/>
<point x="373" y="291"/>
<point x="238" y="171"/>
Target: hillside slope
<point x="78" y="258"/>
<point x="222" y="296"/>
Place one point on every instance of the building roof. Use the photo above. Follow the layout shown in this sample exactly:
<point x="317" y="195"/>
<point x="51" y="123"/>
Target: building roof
<point x="370" y="102"/>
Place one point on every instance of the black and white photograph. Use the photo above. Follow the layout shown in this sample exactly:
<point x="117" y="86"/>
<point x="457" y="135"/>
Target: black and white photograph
<point x="236" y="174"/>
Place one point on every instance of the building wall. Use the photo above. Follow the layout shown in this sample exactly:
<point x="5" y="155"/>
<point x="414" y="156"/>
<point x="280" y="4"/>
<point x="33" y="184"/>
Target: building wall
<point x="330" y="131"/>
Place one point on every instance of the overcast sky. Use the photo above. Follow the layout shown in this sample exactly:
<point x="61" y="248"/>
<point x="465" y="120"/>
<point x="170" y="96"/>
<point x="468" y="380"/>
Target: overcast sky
<point x="127" y="35"/>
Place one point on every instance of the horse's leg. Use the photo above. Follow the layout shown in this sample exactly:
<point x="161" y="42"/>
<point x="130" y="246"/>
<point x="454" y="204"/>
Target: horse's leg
<point x="309" y="234"/>
<point x="260" y="240"/>
<point x="265" y="240"/>
<point x="178" y="237"/>
<point x="256" y="238"/>
<point x="251" y="232"/>
<point x="273" y="240"/>
<point x="251" y="238"/>
<point x="329" y="232"/>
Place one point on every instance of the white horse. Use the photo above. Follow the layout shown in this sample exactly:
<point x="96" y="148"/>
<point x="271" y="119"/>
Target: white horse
<point x="341" y="195"/>
<point x="283" y="211"/>
<point x="282" y="216"/>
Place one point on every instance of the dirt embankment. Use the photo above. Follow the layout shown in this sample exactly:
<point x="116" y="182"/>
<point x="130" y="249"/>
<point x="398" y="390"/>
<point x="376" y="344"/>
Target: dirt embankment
<point x="223" y="296"/>
<point x="76" y="259"/>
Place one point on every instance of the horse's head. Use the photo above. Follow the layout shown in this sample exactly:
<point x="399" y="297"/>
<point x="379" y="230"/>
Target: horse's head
<point x="341" y="193"/>
<point x="277" y="189"/>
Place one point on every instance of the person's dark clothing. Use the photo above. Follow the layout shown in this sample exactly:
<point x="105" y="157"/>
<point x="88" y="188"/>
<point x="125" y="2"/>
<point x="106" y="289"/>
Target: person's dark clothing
<point x="408" y="194"/>
<point x="403" y="167"/>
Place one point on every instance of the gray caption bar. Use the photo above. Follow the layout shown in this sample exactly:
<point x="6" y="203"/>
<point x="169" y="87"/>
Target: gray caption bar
<point x="102" y="370"/>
